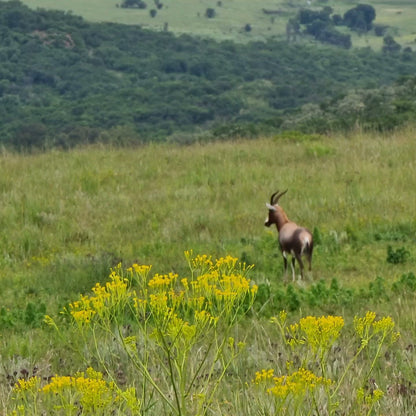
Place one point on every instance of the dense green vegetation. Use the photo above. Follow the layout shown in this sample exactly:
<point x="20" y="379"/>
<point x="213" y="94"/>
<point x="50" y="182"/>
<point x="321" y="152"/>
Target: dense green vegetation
<point x="66" y="81"/>
<point x="68" y="216"/>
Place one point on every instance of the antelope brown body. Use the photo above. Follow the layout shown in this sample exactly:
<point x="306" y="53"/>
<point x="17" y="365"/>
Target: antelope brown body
<point x="293" y="240"/>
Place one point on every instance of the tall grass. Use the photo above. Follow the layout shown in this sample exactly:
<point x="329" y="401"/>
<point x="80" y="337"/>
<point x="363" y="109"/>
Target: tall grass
<point x="66" y="217"/>
<point x="153" y="202"/>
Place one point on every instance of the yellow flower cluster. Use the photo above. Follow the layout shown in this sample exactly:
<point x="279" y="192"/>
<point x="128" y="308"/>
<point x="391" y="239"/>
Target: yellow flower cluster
<point x="88" y="389"/>
<point x="214" y="285"/>
<point x="263" y="375"/>
<point x="226" y="263"/>
<point x="159" y="303"/>
<point x="181" y="307"/>
<point x="140" y="269"/>
<point x="362" y="326"/>
<point x="299" y="383"/>
<point x="200" y="263"/>
<point x="230" y="264"/>
<point x="176" y="307"/>
<point x="83" y="316"/>
<point x="106" y="301"/>
<point x="94" y="381"/>
<point x="91" y="389"/>
<point x="27" y="385"/>
<point x="370" y="398"/>
<point x="320" y="333"/>
<point x="204" y="319"/>
<point x="162" y="280"/>
<point x="367" y="326"/>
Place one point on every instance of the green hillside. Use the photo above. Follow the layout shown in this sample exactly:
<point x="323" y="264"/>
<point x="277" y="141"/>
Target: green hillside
<point x="66" y="81"/>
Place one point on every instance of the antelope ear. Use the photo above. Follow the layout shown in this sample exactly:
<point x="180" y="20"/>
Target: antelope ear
<point x="270" y="207"/>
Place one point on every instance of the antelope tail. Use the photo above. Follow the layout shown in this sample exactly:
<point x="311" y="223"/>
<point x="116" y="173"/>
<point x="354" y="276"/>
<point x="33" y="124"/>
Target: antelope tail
<point x="306" y="245"/>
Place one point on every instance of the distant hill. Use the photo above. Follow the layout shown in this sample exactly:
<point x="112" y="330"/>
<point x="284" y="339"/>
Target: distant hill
<point x="267" y="18"/>
<point x="66" y="81"/>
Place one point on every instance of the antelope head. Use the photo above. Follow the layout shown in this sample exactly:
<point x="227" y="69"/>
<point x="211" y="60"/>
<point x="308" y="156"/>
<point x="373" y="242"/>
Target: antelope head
<point x="276" y="213"/>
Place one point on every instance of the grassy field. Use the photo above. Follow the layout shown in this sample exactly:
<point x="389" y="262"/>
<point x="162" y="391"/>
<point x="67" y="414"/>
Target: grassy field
<point x="67" y="217"/>
<point x="184" y="16"/>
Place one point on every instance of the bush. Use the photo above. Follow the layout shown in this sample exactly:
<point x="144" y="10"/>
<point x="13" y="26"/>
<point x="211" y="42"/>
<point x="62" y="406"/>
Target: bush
<point x="210" y="13"/>
<point x="360" y="18"/>
<point x="405" y="283"/>
<point x="398" y="256"/>
<point x="173" y="334"/>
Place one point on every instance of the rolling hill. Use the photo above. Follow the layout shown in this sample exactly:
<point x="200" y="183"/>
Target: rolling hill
<point x="66" y="81"/>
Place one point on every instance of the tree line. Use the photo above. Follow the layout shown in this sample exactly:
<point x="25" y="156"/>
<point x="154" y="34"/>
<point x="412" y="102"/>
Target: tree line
<point x="65" y="81"/>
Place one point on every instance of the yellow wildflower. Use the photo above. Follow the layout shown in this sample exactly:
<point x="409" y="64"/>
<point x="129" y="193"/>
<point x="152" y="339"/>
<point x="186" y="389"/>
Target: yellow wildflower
<point x="83" y="316"/>
<point x="263" y="375"/>
<point x="25" y="385"/>
<point x="362" y="325"/>
<point x="371" y="398"/>
<point x="141" y="269"/>
<point x="321" y="332"/>
<point x="298" y="383"/>
<point x="367" y="327"/>
<point x="160" y="281"/>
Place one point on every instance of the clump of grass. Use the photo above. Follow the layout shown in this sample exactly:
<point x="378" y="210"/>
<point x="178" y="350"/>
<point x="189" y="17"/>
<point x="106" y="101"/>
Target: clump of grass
<point x="398" y="255"/>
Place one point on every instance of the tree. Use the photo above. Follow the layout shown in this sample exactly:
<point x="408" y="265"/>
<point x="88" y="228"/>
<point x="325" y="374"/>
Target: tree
<point x="360" y="18"/>
<point x="337" y="20"/>
<point x="315" y="28"/>
<point x="210" y="13"/>
<point x="139" y="4"/>
<point x="307" y="16"/>
<point x="390" y="45"/>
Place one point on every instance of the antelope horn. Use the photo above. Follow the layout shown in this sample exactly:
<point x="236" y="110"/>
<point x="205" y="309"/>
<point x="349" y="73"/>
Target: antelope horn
<point x="272" y="197"/>
<point x="273" y="200"/>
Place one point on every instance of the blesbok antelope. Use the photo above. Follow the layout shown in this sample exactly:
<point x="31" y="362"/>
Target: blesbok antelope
<point x="293" y="240"/>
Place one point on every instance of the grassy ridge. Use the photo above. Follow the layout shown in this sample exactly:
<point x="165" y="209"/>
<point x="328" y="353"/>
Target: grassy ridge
<point x="66" y="217"/>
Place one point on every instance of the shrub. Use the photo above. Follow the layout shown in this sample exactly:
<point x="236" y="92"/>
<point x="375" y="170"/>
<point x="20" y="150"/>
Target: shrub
<point x="398" y="256"/>
<point x="405" y="283"/>
<point x="210" y="13"/>
<point x="172" y="334"/>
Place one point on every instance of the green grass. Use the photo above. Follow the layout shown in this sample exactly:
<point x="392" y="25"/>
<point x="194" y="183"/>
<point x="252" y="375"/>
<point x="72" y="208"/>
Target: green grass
<point x="67" y="217"/>
<point x="152" y="203"/>
<point x="184" y="16"/>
